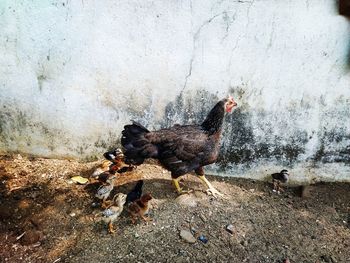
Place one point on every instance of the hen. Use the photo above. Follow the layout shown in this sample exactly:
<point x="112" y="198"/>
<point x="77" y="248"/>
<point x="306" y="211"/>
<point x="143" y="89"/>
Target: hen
<point x="181" y="148"/>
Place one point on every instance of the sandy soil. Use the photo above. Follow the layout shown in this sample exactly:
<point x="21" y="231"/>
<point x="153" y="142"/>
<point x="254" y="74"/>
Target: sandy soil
<point x="45" y="217"/>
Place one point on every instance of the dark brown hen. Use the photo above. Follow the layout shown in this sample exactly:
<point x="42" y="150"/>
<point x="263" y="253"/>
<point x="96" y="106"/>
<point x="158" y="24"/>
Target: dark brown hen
<point x="181" y="148"/>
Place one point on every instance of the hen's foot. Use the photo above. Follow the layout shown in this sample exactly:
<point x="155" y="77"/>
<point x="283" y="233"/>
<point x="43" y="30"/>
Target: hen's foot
<point x="213" y="192"/>
<point x="181" y="192"/>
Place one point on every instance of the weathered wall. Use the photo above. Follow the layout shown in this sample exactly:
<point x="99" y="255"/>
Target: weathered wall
<point x="72" y="73"/>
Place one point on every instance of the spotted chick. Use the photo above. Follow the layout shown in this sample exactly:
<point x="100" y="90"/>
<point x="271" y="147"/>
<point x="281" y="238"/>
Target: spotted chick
<point x="103" y="167"/>
<point x="111" y="214"/>
<point x="104" y="191"/>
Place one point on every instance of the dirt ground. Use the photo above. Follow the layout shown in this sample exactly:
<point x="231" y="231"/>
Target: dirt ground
<point x="45" y="217"/>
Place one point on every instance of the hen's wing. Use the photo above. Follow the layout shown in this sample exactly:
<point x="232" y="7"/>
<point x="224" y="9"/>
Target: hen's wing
<point x="181" y="148"/>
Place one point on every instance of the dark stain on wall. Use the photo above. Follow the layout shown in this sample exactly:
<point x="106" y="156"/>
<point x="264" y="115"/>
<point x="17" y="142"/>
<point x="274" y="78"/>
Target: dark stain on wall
<point x="18" y="127"/>
<point x="240" y="143"/>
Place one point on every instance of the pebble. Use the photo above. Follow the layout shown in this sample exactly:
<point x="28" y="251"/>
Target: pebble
<point x="203" y="239"/>
<point x="333" y="259"/>
<point x="230" y="228"/>
<point x="95" y="204"/>
<point x="31" y="237"/>
<point x="186" y="200"/>
<point x="187" y="236"/>
<point x="72" y="214"/>
<point x="244" y="243"/>
<point x="204" y="219"/>
<point x="305" y="191"/>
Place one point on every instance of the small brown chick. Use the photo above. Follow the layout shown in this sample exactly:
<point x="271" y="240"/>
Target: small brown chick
<point x="103" y="167"/>
<point x="139" y="208"/>
<point x="105" y="170"/>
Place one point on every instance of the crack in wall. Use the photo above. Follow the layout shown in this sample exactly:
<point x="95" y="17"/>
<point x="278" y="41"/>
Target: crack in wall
<point x="195" y="38"/>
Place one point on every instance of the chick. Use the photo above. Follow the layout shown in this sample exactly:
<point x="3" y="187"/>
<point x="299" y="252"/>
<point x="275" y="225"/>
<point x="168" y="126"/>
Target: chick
<point x="104" y="191"/>
<point x="135" y="193"/>
<point x="114" y="156"/>
<point x="139" y="208"/>
<point x="102" y="172"/>
<point x="103" y="177"/>
<point x="111" y="214"/>
<point x="278" y="178"/>
<point x="104" y="167"/>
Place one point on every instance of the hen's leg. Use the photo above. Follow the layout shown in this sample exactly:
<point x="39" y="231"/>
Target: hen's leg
<point x="179" y="190"/>
<point x="211" y="190"/>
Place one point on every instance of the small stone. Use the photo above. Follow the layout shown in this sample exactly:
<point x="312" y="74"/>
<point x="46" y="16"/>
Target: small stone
<point x="95" y="204"/>
<point x="326" y="258"/>
<point x="193" y="230"/>
<point x="136" y="235"/>
<point x="305" y="191"/>
<point x="230" y="228"/>
<point x="334" y="260"/>
<point x="244" y="243"/>
<point x="31" y="237"/>
<point x="72" y="214"/>
<point x="203" y="239"/>
<point x="5" y="212"/>
<point x="187" y="236"/>
<point x="331" y="210"/>
<point x="187" y="200"/>
<point x="204" y="219"/>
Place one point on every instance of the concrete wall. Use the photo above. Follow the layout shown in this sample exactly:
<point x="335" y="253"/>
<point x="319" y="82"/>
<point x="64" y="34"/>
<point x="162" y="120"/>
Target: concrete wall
<point x="72" y="73"/>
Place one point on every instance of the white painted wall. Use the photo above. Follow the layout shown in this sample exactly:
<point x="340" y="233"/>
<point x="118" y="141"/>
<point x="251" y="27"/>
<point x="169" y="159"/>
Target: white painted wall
<point x="72" y="73"/>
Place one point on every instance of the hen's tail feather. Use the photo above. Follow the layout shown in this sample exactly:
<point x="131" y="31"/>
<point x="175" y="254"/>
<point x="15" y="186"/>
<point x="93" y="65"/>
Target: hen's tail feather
<point x="137" y="146"/>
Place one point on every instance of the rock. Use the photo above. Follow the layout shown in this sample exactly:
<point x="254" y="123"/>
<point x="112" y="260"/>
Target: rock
<point x="95" y="204"/>
<point x="331" y="210"/>
<point x="31" y="237"/>
<point x="187" y="200"/>
<point x="305" y="191"/>
<point x="244" y="243"/>
<point x="203" y="239"/>
<point x="333" y="259"/>
<point x="187" y="236"/>
<point x="203" y="218"/>
<point x="230" y="228"/>
<point x="326" y="258"/>
<point x="72" y="214"/>
<point x="5" y="212"/>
